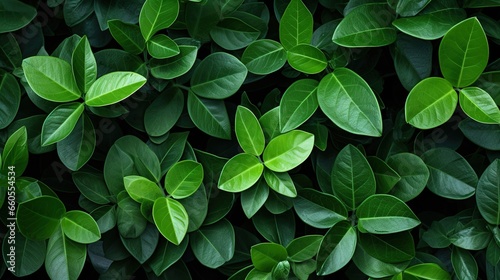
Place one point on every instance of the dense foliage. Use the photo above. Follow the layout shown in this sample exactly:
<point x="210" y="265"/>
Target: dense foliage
<point x="245" y="139"/>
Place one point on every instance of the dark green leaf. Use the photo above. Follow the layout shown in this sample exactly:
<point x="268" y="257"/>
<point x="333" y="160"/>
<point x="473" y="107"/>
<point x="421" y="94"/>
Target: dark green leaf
<point x="487" y="193"/>
<point x="319" y="210"/>
<point x="336" y="249"/>
<point x="39" y="218"/>
<point x="266" y="255"/>
<point x="209" y="115"/>
<point x="213" y="245"/>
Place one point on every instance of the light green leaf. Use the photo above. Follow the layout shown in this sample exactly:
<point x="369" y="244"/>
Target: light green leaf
<point x="433" y="22"/>
<point x="384" y="214"/>
<point x="281" y="182"/>
<point x="65" y="258"/>
<point x="141" y="189"/>
<point x="367" y="25"/>
<point x="156" y="15"/>
<point x="161" y="46"/>
<point x="350" y="103"/>
<point x="214" y="245"/>
<point x="249" y="132"/>
<point x="10" y="99"/>
<point x="127" y="35"/>
<point x="451" y="176"/>
<point x="463" y="53"/>
<point x="264" y="57"/>
<point x="307" y="59"/>
<point x="78" y="147"/>
<point x="171" y="219"/>
<point x="479" y="105"/>
<point x="304" y="248"/>
<point x="428" y="271"/>
<point x="298" y="104"/>
<point x="430" y="103"/>
<point x="80" y="227"/>
<point x="336" y="249"/>
<point x="61" y="122"/>
<point x="184" y="178"/>
<point x="84" y="65"/>
<point x="15" y="152"/>
<point x="488" y="193"/>
<point x="218" y="76"/>
<point x="51" y="78"/>
<point x="240" y="173"/>
<point x="209" y="115"/>
<point x="267" y="255"/>
<point x="318" y="209"/>
<point x="288" y="150"/>
<point x="39" y="217"/>
<point x="296" y="25"/>
<point x="113" y="88"/>
<point x="176" y="66"/>
<point x="15" y="15"/>
<point x="352" y="177"/>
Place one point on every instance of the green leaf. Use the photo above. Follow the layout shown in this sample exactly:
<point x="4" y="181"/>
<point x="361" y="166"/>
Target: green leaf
<point x="451" y="176"/>
<point x="184" y="178"/>
<point x="318" y="209"/>
<point x="249" y="132"/>
<point x="15" y="15"/>
<point x="156" y="15"/>
<point x="161" y="46"/>
<point x="304" y="248"/>
<point x="463" y="53"/>
<point x="414" y="175"/>
<point x="176" y="66"/>
<point x="80" y="227"/>
<point x="209" y="115"/>
<point x="352" y="177"/>
<point x="390" y="248"/>
<point x="166" y="254"/>
<point x="143" y="246"/>
<point x="254" y="198"/>
<point x="141" y="189"/>
<point x="428" y="271"/>
<point x="61" y="122"/>
<point x="408" y="8"/>
<point x="233" y="33"/>
<point x="276" y="228"/>
<point x="255" y="274"/>
<point x="296" y="25"/>
<point x="270" y="123"/>
<point x="367" y="25"/>
<point x="171" y="219"/>
<point x="350" y="103"/>
<point x="412" y="60"/>
<point x="336" y="249"/>
<point x="218" y="76"/>
<point x="298" y="104"/>
<point x="39" y="217"/>
<point x="385" y="176"/>
<point x="481" y="3"/>
<point x="65" y="258"/>
<point x="464" y="264"/>
<point x="264" y="57"/>
<point x="127" y="35"/>
<point x="385" y="214"/>
<point x="288" y="150"/>
<point x="164" y="112"/>
<point x="196" y="206"/>
<point x="483" y="135"/>
<point x="433" y="22"/>
<point x="479" y="105"/>
<point x="430" y="103"/>
<point x="306" y="59"/>
<point x="472" y="236"/>
<point x="281" y="182"/>
<point x="240" y="173"/>
<point x="10" y="99"/>
<point x="84" y="65"/>
<point x="29" y="254"/>
<point x="488" y="193"/>
<point x="15" y="152"/>
<point x="266" y="255"/>
<point x="92" y="186"/>
<point x="78" y="147"/>
<point x="129" y="219"/>
<point x="51" y="78"/>
<point x="113" y="88"/>
<point x="214" y="245"/>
